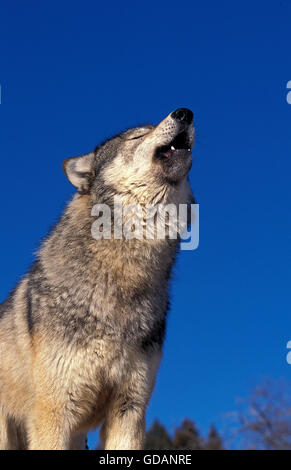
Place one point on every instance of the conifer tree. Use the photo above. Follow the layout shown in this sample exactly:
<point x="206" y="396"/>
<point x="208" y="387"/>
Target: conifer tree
<point x="157" y="438"/>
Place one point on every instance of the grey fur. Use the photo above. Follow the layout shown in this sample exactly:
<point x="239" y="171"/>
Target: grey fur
<point x="81" y="335"/>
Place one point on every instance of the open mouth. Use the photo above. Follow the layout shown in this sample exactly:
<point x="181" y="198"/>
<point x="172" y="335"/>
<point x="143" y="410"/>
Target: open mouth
<point x="180" y="144"/>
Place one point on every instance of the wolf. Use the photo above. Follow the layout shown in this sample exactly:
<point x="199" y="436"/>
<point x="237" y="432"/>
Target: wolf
<point x="81" y="335"/>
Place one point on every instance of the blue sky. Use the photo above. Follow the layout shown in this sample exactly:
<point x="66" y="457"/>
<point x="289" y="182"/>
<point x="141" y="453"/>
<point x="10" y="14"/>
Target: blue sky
<point x="73" y="73"/>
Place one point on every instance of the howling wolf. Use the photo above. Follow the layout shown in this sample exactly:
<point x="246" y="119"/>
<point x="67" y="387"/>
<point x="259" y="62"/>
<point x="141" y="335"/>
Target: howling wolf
<point x="81" y="334"/>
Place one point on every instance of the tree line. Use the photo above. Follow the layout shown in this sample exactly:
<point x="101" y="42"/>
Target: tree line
<point x="261" y="422"/>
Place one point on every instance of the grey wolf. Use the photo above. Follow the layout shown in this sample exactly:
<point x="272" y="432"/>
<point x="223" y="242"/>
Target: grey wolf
<point x="81" y="335"/>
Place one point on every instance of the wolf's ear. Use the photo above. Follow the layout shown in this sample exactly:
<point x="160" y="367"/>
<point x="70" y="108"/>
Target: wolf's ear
<point x="79" y="171"/>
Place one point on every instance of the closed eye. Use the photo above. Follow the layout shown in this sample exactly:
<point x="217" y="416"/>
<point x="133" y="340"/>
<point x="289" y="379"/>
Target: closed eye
<point x="137" y="137"/>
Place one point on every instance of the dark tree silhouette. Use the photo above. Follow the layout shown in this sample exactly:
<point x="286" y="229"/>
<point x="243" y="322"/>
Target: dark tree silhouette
<point x="157" y="438"/>
<point x="214" y="441"/>
<point x="187" y="437"/>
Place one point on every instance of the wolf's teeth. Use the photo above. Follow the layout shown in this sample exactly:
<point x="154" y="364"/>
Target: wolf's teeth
<point x="172" y="147"/>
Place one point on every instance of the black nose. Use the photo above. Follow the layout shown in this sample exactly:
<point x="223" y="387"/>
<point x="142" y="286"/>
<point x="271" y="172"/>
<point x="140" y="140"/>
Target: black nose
<point x="183" y="115"/>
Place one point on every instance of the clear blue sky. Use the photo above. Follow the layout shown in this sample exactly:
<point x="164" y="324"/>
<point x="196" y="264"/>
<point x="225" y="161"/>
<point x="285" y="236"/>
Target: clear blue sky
<point x="73" y="73"/>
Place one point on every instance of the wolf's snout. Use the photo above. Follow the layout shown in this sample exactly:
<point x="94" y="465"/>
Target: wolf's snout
<point x="183" y="115"/>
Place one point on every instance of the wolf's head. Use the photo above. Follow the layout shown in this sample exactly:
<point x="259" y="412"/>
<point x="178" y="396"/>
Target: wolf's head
<point x="143" y="165"/>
